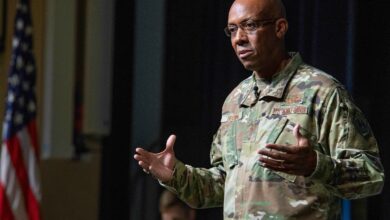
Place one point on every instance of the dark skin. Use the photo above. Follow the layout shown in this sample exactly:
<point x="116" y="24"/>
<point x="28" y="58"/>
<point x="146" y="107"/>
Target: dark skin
<point x="264" y="53"/>
<point x="160" y="165"/>
<point x="299" y="160"/>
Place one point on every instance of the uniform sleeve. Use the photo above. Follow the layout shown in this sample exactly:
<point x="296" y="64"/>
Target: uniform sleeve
<point x="200" y="187"/>
<point x="348" y="160"/>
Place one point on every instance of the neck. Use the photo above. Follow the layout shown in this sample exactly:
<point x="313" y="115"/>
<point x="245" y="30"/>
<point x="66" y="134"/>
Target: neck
<point x="276" y="66"/>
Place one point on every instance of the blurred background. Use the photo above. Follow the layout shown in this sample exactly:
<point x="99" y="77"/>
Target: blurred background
<point x="116" y="74"/>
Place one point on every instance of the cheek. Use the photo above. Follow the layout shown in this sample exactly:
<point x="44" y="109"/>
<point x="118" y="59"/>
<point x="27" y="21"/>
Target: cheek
<point x="257" y="44"/>
<point x="234" y="46"/>
<point x="262" y="45"/>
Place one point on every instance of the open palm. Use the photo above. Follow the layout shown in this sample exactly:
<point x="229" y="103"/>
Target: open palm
<point x="160" y="165"/>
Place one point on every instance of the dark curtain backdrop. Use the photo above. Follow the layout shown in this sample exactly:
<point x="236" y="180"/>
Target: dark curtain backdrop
<point x="115" y="189"/>
<point x="347" y="39"/>
<point x="371" y="89"/>
<point x="201" y="69"/>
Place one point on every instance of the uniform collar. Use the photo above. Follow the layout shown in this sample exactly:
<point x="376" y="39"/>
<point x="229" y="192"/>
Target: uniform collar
<point x="272" y="88"/>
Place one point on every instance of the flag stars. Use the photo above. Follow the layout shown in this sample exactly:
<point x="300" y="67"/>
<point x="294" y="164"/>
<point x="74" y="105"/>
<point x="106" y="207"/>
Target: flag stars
<point x="26" y="86"/>
<point x="11" y="97"/>
<point x="21" y="101"/>
<point x="29" y="68"/>
<point x="5" y="128"/>
<point x="14" y="80"/>
<point x="8" y="116"/>
<point x="19" y="62"/>
<point x="31" y="106"/>
<point x="24" y="47"/>
<point x="23" y="7"/>
<point x="19" y="24"/>
<point x="15" y="42"/>
<point x="18" y="120"/>
<point x="20" y="98"/>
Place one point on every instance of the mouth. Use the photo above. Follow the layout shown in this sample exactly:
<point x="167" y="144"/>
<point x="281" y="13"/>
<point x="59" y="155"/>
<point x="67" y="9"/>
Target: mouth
<point x="244" y="53"/>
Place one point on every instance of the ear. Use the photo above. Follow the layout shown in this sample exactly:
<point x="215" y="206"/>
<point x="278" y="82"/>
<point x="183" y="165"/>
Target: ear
<point x="281" y="27"/>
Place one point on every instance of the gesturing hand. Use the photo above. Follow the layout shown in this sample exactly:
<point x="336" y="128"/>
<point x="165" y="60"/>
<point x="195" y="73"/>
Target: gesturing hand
<point x="160" y="165"/>
<point x="297" y="160"/>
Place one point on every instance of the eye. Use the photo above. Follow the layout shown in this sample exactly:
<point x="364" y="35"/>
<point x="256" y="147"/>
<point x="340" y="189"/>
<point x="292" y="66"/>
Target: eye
<point x="250" y="26"/>
<point x="232" y="28"/>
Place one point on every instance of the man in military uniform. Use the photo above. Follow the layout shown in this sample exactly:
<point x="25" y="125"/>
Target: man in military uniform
<point x="291" y="142"/>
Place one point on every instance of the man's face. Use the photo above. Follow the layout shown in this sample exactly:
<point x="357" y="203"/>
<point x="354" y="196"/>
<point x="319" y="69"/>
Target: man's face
<point x="256" y="49"/>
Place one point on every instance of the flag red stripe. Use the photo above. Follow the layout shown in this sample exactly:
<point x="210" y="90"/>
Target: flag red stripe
<point x="14" y="149"/>
<point x="19" y="165"/>
<point x="5" y="209"/>
<point x="32" y="130"/>
<point x="33" y="209"/>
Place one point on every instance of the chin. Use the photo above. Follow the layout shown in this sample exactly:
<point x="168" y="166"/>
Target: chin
<point x="248" y="66"/>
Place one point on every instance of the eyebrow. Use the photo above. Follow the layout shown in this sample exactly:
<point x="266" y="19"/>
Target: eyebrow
<point x="244" y="20"/>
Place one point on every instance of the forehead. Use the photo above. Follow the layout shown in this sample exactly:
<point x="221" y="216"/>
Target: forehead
<point x="243" y="10"/>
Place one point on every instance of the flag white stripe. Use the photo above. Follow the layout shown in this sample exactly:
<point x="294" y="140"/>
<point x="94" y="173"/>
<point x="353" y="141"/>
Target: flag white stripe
<point x="30" y="162"/>
<point x="11" y="185"/>
<point x="20" y="172"/>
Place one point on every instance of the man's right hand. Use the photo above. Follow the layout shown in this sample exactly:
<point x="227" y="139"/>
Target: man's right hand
<point x="160" y="165"/>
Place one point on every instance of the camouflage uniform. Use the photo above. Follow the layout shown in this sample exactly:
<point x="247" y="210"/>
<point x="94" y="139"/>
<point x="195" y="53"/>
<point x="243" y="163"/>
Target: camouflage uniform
<point x="348" y="164"/>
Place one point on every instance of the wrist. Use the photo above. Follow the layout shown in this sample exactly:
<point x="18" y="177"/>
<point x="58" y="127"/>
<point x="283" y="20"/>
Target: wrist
<point x="312" y="163"/>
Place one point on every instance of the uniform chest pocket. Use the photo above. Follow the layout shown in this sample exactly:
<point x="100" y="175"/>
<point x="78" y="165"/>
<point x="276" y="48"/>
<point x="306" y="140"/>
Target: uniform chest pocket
<point x="282" y="133"/>
<point x="274" y="130"/>
<point x="228" y="141"/>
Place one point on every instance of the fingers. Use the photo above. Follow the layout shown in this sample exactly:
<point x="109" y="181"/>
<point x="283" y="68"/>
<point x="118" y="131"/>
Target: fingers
<point x="171" y="142"/>
<point x="280" y="147"/>
<point x="272" y="154"/>
<point x="142" y="156"/>
<point x="277" y="165"/>
<point x="159" y="165"/>
<point x="142" y="162"/>
<point x="296" y="132"/>
<point x="301" y="140"/>
<point x="144" y="165"/>
<point x="290" y="159"/>
<point x="271" y="162"/>
<point x="139" y="157"/>
<point x="141" y="151"/>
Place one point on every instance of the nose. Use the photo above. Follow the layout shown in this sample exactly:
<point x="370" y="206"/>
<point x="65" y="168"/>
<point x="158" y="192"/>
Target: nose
<point x="240" y="37"/>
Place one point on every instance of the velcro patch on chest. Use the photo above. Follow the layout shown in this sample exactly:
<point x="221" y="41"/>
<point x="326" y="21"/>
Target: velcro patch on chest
<point x="286" y="110"/>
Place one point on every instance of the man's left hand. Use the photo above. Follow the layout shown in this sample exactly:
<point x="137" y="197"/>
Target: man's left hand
<point x="298" y="160"/>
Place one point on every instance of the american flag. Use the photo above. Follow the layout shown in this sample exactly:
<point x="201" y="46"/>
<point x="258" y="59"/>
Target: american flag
<point x="20" y="193"/>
